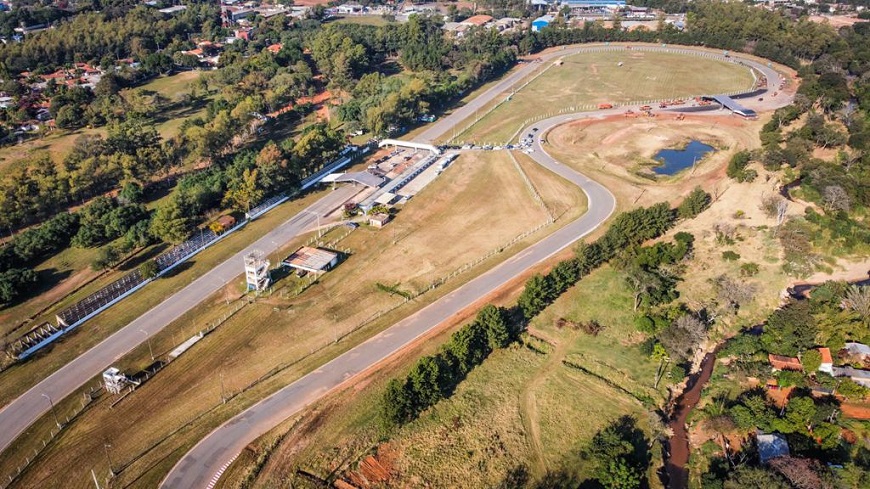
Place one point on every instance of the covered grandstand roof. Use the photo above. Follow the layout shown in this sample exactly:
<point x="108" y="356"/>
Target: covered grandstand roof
<point x="362" y="177"/>
<point x="732" y="105"/>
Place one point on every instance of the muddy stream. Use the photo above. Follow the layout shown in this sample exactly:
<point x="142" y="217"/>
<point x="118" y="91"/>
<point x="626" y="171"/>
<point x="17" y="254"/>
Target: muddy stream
<point x="678" y="445"/>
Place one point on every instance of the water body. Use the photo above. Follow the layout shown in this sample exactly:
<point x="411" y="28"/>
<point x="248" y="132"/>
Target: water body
<point x="675" y="160"/>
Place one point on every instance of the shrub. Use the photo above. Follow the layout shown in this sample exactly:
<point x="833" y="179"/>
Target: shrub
<point x="749" y="269"/>
<point x="730" y="256"/>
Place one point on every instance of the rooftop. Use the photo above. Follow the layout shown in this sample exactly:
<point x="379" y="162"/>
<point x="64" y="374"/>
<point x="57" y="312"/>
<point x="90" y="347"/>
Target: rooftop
<point x="826" y="355"/>
<point x="362" y="177"/>
<point x="478" y="20"/>
<point x="784" y="363"/>
<point x="854" y="373"/>
<point x="312" y="259"/>
<point x="857" y="349"/>
<point x="770" y="446"/>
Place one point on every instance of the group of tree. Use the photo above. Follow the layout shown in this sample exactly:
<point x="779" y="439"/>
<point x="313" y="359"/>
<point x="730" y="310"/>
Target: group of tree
<point x="435" y="377"/>
<point x="627" y="229"/>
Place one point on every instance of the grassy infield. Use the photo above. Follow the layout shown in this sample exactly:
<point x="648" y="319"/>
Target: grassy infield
<point x="520" y="407"/>
<point x="593" y="78"/>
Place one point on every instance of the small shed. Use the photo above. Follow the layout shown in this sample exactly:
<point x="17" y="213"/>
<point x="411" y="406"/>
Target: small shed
<point x="770" y="446"/>
<point x="379" y="220"/>
<point x="310" y="259"/>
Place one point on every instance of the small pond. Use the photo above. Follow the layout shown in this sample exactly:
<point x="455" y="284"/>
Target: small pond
<point x="676" y="160"/>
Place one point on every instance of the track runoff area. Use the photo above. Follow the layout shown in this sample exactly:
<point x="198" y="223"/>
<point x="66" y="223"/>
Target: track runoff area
<point x="204" y="463"/>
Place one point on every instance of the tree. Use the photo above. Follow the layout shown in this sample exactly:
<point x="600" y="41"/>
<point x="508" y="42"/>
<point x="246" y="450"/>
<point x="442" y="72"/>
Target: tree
<point x="536" y="295"/>
<point x="836" y="198"/>
<point x="857" y="298"/>
<point x="733" y="294"/>
<point x="696" y="202"/>
<point x="790" y="330"/>
<point x="497" y="333"/>
<point x="170" y="223"/>
<point x="68" y="117"/>
<point x="746" y="477"/>
<point x="246" y="192"/>
<point x="682" y="337"/>
<point x="811" y="360"/>
<point x="149" y="269"/>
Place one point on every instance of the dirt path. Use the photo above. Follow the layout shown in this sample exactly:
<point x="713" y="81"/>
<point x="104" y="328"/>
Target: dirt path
<point x="529" y="406"/>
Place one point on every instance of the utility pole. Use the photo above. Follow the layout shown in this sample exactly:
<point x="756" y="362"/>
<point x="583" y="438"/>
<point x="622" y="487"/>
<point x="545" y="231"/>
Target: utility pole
<point x="53" y="412"/>
<point x="223" y="397"/>
<point x="106" y="447"/>
<point x="148" y="338"/>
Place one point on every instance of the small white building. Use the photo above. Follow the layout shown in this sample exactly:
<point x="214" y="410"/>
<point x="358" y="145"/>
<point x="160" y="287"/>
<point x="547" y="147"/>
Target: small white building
<point x="379" y="220"/>
<point x="349" y="9"/>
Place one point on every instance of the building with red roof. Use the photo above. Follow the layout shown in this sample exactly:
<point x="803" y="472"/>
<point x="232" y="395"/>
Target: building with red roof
<point x="827" y="364"/>
<point x="779" y="362"/>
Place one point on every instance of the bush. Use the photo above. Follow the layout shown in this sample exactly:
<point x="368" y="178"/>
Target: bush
<point x="749" y="269"/>
<point x="737" y="167"/>
<point x="730" y="256"/>
<point x="695" y="203"/>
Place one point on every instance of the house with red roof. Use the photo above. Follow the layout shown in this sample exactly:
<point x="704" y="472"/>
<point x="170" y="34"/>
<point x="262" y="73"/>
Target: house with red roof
<point x="827" y="364"/>
<point x="779" y="362"/>
<point x="477" y="20"/>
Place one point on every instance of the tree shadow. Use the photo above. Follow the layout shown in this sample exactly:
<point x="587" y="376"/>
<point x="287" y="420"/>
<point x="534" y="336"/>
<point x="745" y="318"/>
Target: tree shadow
<point x="180" y="268"/>
<point x="141" y="258"/>
<point x="46" y="280"/>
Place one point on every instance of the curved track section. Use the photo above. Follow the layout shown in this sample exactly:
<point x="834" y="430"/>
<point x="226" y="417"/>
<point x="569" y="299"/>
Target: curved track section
<point x="198" y="466"/>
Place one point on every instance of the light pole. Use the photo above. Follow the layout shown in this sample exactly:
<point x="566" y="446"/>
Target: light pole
<point x="149" y="343"/>
<point x="53" y="412"/>
<point x="106" y="447"/>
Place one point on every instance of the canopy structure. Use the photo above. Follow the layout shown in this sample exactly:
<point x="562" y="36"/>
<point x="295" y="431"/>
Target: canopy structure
<point x="362" y="177"/>
<point x="409" y="144"/>
<point x="732" y="105"/>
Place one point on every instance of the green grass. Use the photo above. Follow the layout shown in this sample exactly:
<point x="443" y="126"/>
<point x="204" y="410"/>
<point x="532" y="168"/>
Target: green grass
<point x="593" y="78"/>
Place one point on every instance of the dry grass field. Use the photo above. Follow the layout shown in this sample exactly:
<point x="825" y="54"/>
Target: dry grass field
<point x="281" y="336"/>
<point x="523" y="410"/>
<point x="593" y="78"/>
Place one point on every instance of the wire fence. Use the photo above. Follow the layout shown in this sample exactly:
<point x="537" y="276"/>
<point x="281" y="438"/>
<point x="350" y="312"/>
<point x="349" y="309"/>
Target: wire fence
<point x="62" y="422"/>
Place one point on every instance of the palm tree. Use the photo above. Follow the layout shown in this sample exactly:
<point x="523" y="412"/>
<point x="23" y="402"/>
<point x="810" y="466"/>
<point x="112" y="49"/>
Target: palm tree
<point x="857" y="298"/>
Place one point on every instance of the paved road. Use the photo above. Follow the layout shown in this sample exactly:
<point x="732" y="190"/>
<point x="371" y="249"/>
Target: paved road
<point x="27" y="408"/>
<point x="197" y="467"/>
<point x="213" y="453"/>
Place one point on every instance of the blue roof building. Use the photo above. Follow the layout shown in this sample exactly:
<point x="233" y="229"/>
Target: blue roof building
<point x="594" y="3"/>
<point x="541" y="22"/>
